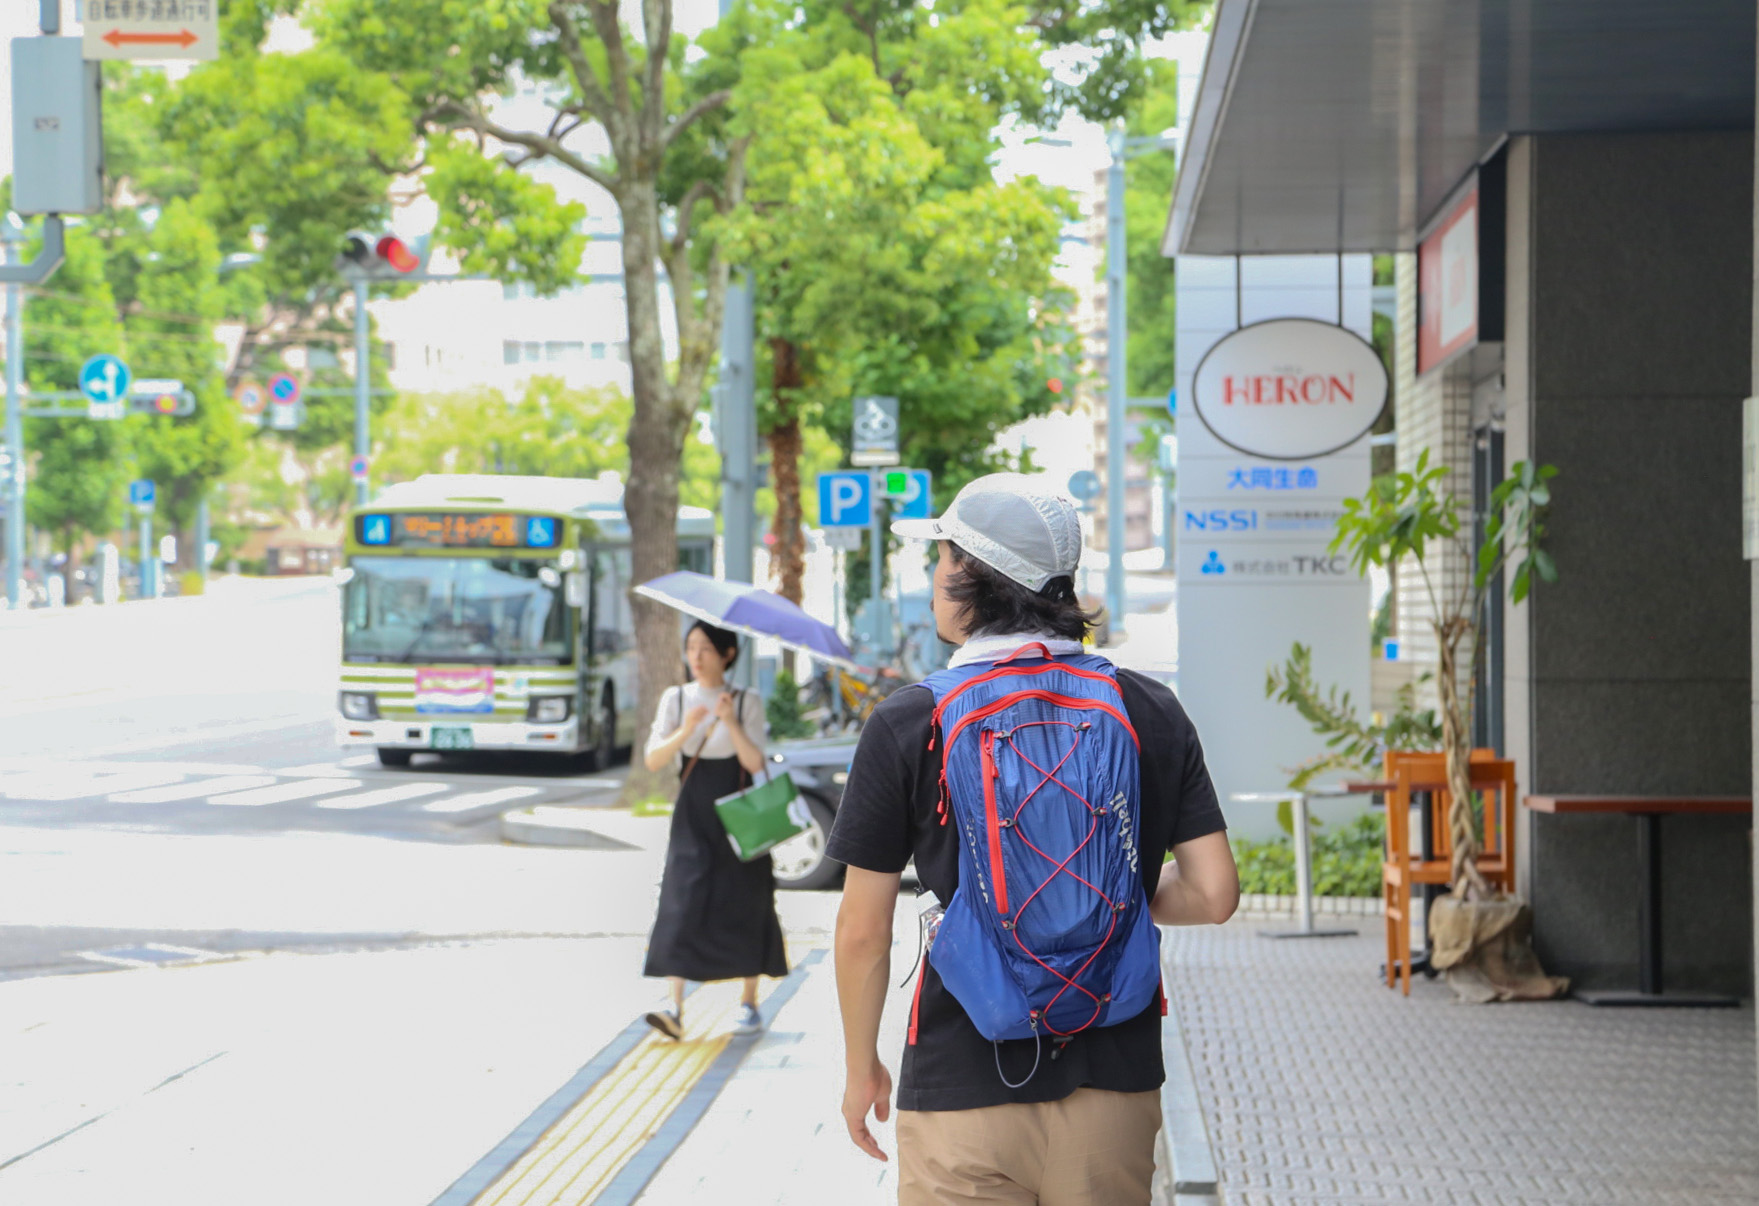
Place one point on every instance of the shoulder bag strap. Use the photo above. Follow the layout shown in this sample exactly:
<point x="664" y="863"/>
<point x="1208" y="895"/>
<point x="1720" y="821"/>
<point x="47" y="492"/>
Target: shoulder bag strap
<point x="704" y="744"/>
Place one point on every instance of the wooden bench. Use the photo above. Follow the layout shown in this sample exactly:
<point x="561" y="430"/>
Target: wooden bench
<point x="1648" y="810"/>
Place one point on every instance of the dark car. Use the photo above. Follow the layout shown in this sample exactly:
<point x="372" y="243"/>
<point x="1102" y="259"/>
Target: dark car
<point x="819" y="767"/>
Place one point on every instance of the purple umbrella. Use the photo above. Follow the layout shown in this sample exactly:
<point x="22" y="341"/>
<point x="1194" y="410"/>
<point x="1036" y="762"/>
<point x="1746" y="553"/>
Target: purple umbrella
<point x="751" y="610"/>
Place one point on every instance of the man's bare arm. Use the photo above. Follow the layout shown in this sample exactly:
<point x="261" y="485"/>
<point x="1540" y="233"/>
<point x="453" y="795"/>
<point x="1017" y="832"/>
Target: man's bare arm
<point x="864" y="961"/>
<point x="1201" y="886"/>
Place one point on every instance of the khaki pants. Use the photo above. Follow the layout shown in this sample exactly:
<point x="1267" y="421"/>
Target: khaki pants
<point x="1092" y="1148"/>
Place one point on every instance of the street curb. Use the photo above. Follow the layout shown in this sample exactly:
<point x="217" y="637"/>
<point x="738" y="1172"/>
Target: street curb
<point x="1187" y="1135"/>
<point x="540" y="825"/>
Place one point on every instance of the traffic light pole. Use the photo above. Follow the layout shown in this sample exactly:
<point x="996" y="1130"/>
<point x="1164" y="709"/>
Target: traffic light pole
<point x="14" y="478"/>
<point x="362" y="390"/>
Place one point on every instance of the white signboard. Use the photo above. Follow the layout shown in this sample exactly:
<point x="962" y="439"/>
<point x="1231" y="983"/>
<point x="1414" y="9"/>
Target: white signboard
<point x="1290" y="389"/>
<point x="151" y="29"/>
<point x="1272" y="417"/>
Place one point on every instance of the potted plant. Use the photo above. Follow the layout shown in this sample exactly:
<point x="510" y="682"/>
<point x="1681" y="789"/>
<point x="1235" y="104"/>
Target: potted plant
<point x="1403" y="518"/>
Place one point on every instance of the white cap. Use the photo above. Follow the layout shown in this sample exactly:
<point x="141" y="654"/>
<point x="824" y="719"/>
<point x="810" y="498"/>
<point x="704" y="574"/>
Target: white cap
<point x="1017" y="525"/>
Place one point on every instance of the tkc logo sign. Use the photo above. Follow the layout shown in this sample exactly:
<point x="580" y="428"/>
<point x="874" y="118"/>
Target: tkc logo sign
<point x="845" y="500"/>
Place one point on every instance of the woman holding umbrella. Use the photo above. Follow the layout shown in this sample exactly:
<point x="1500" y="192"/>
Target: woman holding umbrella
<point x="717" y="915"/>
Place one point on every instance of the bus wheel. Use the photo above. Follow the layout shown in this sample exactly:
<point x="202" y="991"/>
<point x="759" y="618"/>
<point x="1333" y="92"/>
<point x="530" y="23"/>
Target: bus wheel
<point x="388" y="757"/>
<point x="604" y="747"/>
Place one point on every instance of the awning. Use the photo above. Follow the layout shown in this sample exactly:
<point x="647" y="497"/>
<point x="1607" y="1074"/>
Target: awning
<point x="1343" y="125"/>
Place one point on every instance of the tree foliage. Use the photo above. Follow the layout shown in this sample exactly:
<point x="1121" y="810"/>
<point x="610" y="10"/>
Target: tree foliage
<point x="885" y="257"/>
<point x="550" y="430"/>
<point x="1148" y="183"/>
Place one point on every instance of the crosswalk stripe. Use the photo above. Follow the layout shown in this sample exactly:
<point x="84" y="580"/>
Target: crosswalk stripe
<point x="359" y="760"/>
<point x="312" y="770"/>
<point x="175" y="792"/>
<point x="480" y="799"/>
<point x="384" y="795"/>
<point x="286" y="793"/>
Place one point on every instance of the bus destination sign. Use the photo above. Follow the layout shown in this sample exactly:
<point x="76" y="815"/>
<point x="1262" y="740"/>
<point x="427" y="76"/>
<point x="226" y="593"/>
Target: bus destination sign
<point x="458" y="529"/>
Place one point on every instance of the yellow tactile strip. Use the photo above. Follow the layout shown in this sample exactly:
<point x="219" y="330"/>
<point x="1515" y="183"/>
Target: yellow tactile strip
<point x="577" y="1157"/>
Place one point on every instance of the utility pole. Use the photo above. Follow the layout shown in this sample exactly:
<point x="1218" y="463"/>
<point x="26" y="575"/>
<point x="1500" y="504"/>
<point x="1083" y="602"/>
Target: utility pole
<point x="1122" y="147"/>
<point x="736" y="434"/>
<point x="362" y="389"/>
<point x="1115" y="468"/>
<point x="12" y="232"/>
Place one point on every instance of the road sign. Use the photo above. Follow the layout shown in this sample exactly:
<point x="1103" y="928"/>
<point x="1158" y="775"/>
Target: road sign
<point x="1085" y="485"/>
<point x="104" y="380"/>
<point x="283" y="416"/>
<point x="876" y="432"/>
<point x="845" y="500"/>
<point x="168" y="549"/>
<point x="911" y="492"/>
<point x="845" y="540"/>
<point x="284" y="388"/>
<point x="173" y="29"/>
<point x="358" y="468"/>
<point x="251" y="397"/>
<point x="142" y="493"/>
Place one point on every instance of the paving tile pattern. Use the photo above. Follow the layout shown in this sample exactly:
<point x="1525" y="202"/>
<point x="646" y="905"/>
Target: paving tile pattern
<point x="1319" y="1085"/>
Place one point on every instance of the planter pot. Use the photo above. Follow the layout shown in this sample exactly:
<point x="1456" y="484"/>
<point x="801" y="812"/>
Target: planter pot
<point x="1486" y="948"/>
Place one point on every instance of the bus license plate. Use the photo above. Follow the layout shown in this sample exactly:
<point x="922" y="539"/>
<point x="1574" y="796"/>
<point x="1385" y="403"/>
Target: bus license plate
<point x="452" y="737"/>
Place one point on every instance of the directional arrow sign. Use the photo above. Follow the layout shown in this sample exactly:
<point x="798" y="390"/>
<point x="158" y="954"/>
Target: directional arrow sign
<point x="189" y="29"/>
<point x="181" y="38"/>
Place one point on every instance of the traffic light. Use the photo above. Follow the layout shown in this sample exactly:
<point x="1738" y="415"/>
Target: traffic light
<point x="161" y="402"/>
<point x="1055" y="385"/>
<point x="380" y="255"/>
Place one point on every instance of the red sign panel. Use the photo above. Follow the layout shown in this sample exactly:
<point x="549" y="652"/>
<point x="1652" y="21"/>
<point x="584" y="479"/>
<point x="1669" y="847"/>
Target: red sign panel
<point x="1447" y="286"/>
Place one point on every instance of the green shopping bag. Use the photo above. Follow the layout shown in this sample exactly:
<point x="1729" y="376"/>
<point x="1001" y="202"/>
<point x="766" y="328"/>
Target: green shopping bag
<point x="761" y="818"/>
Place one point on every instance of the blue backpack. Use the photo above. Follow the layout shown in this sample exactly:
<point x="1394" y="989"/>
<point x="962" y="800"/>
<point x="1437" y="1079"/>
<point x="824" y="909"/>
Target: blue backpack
<point x="1048" y="933"/>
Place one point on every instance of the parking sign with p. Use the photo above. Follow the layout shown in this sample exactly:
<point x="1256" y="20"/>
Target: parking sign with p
<point x="845" y="500"/>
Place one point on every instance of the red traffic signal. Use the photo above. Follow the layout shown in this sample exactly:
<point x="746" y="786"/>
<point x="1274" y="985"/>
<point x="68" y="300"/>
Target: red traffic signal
<point x="396" y="253"/>
<point x="1055" y="385"/>
<point x="374" y="254"/>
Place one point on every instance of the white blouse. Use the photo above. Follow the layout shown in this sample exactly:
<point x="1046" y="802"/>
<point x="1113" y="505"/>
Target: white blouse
<point x="719" y="743"/>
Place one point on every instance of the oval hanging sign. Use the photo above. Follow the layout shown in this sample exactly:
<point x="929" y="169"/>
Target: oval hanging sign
<point x="1290" y="389"/>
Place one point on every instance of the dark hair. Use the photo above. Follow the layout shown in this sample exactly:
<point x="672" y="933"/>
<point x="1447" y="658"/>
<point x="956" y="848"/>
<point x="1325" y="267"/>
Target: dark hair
<point x="994" y="604"/>
<point x="726" y="643"/>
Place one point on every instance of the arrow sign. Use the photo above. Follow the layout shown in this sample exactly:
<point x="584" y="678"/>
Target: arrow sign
<point x="181" y="38"/>
<point x="120" y="30"/>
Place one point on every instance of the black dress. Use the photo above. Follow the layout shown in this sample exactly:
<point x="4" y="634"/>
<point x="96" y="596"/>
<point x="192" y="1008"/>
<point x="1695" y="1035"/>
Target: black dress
<point x="717" y="915"/>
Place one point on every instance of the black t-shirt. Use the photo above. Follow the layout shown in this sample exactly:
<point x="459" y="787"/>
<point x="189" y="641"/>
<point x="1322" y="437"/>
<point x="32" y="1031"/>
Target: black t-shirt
<point x="888" y="815"/>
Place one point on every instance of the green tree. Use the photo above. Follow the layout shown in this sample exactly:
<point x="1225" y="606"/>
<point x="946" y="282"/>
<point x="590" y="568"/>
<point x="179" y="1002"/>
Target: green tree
<point x="665" y="155"/>
<point x="885" y="256"/>
<point x="551" y="430"/>
<point x="1402" y="518"/>
<point x="176" y="304"/>
<point x="77" y="467"/>
<point x="1148" y="182"/>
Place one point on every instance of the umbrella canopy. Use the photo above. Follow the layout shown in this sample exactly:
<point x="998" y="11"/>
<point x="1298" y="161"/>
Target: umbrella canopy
<point x="751" y="610"/>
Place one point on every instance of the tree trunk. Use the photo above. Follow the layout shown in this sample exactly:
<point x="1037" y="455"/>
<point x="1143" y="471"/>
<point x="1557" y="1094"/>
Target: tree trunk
<point x="785" y="448"/>
<point x="1456" y="740"/>
<point x="657" y="427"/>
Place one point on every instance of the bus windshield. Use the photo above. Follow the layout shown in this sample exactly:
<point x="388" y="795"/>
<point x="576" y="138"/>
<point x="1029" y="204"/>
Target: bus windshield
<point x="501" y="610"/>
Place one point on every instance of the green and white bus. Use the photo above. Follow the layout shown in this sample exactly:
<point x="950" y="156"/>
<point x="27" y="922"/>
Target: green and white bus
<point x="486" y="612"/>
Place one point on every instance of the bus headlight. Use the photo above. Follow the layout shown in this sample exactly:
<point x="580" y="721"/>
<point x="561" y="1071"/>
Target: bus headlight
<point x="360" y="705"/>
<point x="549" y="709"/>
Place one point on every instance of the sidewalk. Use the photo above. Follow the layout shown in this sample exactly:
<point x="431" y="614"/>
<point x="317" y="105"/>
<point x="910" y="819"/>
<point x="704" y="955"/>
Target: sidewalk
<point x="1319" y="1085"/>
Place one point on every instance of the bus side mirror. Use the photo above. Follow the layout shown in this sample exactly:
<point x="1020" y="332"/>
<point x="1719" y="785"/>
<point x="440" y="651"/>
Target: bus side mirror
<point x="575" y="586"/>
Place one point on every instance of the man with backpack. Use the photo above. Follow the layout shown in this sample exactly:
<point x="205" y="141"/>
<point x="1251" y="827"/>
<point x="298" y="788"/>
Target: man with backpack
<point x="1036" y="787"/>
